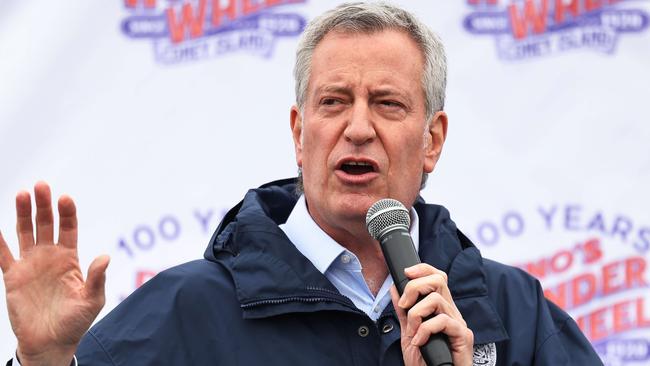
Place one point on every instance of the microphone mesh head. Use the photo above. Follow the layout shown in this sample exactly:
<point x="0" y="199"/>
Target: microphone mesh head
<point x="387" y="214"/>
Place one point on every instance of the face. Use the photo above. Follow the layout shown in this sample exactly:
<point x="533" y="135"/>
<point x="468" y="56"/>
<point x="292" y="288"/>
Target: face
<point x="362" y="135"/>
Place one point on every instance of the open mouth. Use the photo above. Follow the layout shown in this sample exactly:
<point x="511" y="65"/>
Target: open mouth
<point x="357" y="167"/>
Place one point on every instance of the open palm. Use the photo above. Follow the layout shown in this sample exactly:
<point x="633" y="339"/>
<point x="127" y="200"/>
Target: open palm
<point x="50" y="305"/>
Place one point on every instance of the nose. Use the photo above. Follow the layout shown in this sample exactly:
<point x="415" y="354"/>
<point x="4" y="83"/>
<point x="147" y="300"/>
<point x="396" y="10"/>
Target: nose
<point x="360" y="129"/>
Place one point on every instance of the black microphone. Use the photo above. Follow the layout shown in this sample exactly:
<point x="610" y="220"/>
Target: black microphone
<point x="388" y="221"/>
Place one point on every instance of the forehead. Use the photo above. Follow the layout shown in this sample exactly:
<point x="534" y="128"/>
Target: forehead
<point x="389" y="57"/>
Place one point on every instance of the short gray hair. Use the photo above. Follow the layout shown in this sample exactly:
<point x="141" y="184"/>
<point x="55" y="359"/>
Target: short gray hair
<point x="367" y="18"/>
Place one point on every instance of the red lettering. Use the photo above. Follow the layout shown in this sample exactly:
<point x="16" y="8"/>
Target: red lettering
<point x="564" y="258"/>
<point x="581" y="324"/>
<point x="614" y="319"/>
<point x="476" y="2"/>
<point x="593" y="4"/>
<point x="250" y="6"/>
<point x="561" y="7"/>
<point x="143" y="276"/>
<point x="134" y="3"/>
<point x="641" y="319"/>
<point x="218" y="12"/>
<point x="583" y="289"/>
<point x="591" y="250"/>
<point x="537" y="269"/>
<point x="557" y="295"/>
<point x="597" y="328"/>
<point x="610" y="283"/>
<point x="189" y="20"/>
<point x="520" y="22"/>
<point x="634" y="271"/>
<point x="622" y="322"/>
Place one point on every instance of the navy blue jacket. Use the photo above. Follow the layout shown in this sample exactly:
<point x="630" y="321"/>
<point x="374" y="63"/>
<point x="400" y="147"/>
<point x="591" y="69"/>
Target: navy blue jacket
<point x="256" y="300"/>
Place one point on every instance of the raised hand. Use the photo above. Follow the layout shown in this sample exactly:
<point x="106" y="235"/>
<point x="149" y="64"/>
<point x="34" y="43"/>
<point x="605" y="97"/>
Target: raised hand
<point x="50" y="305"/>
<point x="430" y="285"/>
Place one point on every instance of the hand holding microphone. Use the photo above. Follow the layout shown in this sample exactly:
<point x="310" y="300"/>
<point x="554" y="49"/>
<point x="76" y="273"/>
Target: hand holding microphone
<point x="433" y="323"/>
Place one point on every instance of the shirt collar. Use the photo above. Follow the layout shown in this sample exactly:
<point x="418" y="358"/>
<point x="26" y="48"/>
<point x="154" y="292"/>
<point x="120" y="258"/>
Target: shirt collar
<point x="315" y="244"/>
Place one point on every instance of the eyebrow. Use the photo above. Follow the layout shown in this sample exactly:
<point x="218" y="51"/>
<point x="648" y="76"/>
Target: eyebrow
<point x="386" y="92"/>
<point x="379" y="92"/>
<point x="338" y="89"/>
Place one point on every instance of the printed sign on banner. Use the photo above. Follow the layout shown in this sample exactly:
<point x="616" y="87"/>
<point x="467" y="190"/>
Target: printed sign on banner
<point x="183" y="31"/>
<point x="596" y="269"/>
<point x="156" y="146"/>
<point x="537" y="28"/>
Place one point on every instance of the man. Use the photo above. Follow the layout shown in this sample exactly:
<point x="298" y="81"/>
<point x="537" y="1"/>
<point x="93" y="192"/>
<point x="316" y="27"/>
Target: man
<point x="292" y="281"/>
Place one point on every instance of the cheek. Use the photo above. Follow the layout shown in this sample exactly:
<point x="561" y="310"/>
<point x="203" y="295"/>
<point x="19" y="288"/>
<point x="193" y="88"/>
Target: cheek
<point x="314" y="157"/>
<point x="318" y="142"/>
<point x="406" y="156"/>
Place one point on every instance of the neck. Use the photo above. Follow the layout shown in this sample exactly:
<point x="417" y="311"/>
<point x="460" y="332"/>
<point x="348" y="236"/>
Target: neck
<point x="355" y="238"/>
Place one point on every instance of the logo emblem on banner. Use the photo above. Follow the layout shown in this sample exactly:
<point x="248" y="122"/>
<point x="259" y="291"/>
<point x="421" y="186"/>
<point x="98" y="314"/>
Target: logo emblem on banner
<point x="528" y="29"/>
<point x="191" y="30"/>
<point x="596" y="270"/>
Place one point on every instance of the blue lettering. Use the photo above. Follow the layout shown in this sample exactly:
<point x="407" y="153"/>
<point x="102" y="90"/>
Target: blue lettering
<point x="123" y="245"/>
<point x="204" y="220"/>
<point x="597" y="223"/>
<point x="622" y="226"/>
<point x="643" y="244"/>
<point x="513" y="224"/>
<point x="488" y="233"/>
<point x="571" y="217"/>
<point x="547" y="215"/>
<point x="144" y="238"/>
<point x="169" y="228"/>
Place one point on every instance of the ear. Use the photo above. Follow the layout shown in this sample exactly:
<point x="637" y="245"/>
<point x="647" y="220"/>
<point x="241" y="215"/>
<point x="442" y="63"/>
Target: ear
<point x="435" y="138"/>
<point x="296" y="131"/>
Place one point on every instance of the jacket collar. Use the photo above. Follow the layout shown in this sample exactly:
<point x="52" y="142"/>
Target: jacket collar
<point x="272" y="277"/>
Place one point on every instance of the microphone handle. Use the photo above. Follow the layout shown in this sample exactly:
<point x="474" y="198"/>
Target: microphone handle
<point x="399" y="253"/>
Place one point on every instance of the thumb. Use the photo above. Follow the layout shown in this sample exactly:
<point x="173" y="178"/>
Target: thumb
<point x="96" y="277"/>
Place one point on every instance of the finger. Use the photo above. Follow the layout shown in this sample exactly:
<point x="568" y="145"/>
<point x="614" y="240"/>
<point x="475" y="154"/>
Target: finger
<point x="433" y="304"/>
<point x="44" y="217"/>
<point x="440" y="324"/>
<point x="67" y="222"/>
<point x="422" y="286"/>
<point x="6" y="258"/>
<point x="423" y="269"/>
<point x="24" y="226"/>
<point x="97" y="278"/>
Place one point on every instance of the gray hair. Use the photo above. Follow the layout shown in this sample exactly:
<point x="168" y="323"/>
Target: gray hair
<point x="368" y="18"/>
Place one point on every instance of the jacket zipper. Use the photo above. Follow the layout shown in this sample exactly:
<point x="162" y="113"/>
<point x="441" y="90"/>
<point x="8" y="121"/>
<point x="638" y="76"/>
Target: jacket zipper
<point x="328" y="296"/>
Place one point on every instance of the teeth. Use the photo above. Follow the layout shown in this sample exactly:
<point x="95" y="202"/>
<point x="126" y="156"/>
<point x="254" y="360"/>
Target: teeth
<point x="361" y="163"/>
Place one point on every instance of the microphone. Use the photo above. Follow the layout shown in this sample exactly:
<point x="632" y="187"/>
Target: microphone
<point x="388" y="221"/>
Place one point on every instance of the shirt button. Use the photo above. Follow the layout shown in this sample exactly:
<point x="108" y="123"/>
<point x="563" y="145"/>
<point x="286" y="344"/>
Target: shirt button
<point x="363" y="331"/>
<point x="387" y="328"/>
<point x="345" y="258"/>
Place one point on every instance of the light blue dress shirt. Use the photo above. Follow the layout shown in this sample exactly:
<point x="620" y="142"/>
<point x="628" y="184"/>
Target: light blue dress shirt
<point x="338" y="264"/>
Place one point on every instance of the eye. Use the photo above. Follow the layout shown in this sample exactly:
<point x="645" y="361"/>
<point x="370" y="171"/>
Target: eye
<point x="330" y="101"/>
<point x="391" y="109"/>
<point x="390" y="104"/>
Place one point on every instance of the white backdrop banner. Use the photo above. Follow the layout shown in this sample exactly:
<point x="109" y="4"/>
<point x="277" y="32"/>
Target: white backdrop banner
<point x="158" y="115"/>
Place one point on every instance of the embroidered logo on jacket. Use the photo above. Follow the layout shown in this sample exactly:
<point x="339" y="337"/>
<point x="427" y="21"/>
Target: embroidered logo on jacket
<point x="485" y="354"/>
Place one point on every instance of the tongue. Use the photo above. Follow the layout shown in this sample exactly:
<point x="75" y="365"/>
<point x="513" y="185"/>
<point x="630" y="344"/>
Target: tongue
<point x="356" y="169"/>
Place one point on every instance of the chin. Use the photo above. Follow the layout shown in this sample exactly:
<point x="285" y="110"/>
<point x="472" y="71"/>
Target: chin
<point x="355" y="204"/>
